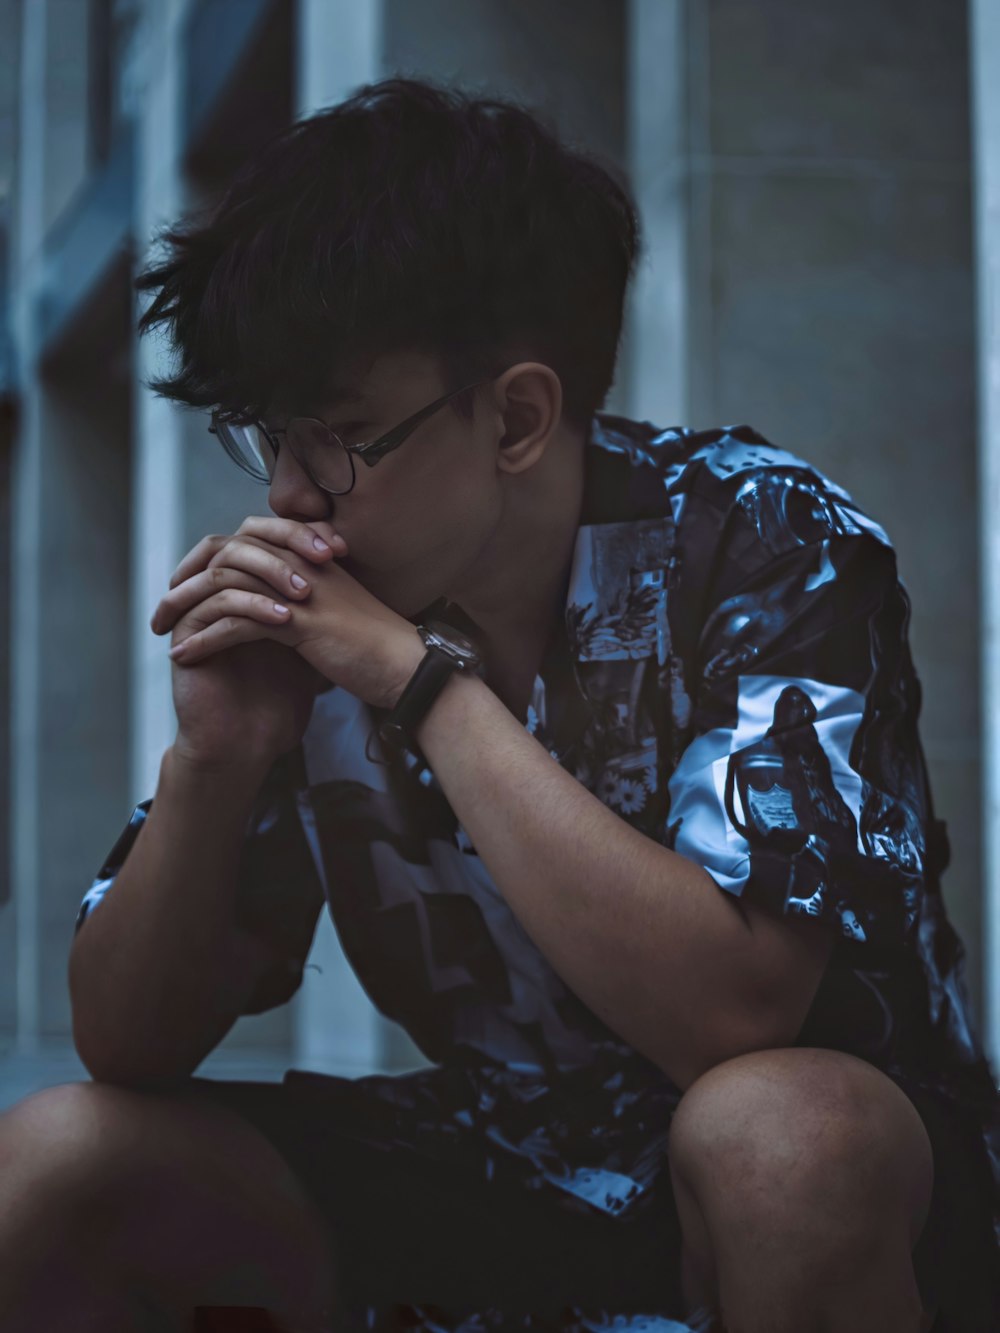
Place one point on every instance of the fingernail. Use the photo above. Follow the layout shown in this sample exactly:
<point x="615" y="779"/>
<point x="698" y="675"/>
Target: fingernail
<point x="298" y="582"/>
<point x="281" y="610"/>
<point x="321" y="545"/>
<point x="176" y="651"/>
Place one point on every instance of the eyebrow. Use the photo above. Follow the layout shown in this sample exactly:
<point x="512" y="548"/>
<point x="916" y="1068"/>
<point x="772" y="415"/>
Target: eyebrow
<point x="349" y="427"/>
<point x="337" y="397"/>
<point x="334" y="419"/>
<point x="336" y="403"/>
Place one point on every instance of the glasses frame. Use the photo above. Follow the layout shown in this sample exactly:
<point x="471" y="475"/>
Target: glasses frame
<point x="369" y="451"/>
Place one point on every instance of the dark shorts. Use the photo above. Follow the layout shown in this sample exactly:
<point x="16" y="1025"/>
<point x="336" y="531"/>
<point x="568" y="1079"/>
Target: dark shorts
<point x="416" y="1230"/>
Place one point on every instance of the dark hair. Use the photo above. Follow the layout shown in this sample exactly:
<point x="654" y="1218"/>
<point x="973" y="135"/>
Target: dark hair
<point x="409" y="216"/>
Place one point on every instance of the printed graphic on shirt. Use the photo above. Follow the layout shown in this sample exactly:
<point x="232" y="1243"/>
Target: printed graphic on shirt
<point x="731" y="676"/>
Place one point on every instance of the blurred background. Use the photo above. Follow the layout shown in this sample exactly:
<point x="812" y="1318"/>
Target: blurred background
<point x="820" y="190"/>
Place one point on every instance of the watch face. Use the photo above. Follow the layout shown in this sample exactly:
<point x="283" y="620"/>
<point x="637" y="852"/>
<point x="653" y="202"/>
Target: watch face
<point x="450" y="639"/>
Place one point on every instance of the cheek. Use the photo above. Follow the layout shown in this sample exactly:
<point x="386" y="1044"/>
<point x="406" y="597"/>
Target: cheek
<point x="464" y="515"/>
<point x="444" y="504"/>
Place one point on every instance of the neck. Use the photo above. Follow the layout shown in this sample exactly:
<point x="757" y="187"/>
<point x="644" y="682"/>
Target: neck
<point x="514" y="590"/>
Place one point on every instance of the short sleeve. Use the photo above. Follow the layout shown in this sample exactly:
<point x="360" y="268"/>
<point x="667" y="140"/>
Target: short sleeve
<point x="279" y="896"/>
<point x="803" y="788"/>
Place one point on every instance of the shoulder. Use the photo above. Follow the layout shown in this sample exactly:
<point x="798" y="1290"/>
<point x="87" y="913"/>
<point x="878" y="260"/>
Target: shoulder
<point x="786" y="499"/>
<point x="721" y="474"/>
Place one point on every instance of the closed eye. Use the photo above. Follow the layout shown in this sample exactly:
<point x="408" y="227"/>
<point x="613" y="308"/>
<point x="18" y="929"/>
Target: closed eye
<point x="352" y="432"/>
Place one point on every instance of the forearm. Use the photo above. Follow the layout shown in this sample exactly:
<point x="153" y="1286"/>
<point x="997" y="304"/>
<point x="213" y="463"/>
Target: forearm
<point x="640" y="933"/>
<point x="147" y="965"/>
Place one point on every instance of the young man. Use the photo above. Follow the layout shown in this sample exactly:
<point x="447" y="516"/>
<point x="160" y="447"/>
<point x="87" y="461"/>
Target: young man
<point x="599" y="742"/>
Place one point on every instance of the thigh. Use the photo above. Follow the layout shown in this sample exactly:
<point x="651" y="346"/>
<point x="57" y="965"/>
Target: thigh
<point x="159" y="1193"/>
<point x="956" y="1259"/>
<point x="421" y="1218"/>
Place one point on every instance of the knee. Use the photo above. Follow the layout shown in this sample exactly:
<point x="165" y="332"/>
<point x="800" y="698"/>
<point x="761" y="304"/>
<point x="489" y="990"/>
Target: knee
<point x="796" y="1129"/>
<point x="67" y="1145"/>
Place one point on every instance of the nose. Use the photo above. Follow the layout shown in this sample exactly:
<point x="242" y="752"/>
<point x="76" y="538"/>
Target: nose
<point x="292" y="494"/>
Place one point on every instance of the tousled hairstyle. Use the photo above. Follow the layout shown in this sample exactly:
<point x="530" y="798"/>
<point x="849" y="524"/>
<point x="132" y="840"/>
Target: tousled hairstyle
<point x="408" y="217"/>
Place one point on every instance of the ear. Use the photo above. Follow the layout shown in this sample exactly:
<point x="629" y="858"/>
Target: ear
<point x="529" y="398"/>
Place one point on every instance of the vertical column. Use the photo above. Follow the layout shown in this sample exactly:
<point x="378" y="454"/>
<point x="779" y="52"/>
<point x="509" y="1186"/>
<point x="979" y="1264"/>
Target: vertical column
<point x="157" y="459"/>
<point x="985" y="60"/>
<point x="10" y="24"/>
<point x="656" y="336"/>
<point x="338" y="47"/>
<point x="64" y="599"/>
<point x="26" y="491"/>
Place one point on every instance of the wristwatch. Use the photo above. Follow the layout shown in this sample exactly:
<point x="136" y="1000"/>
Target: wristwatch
<point x="448" y="651"/>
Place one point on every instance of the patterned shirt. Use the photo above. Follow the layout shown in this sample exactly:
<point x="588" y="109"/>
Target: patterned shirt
<point x="730" y="673"/>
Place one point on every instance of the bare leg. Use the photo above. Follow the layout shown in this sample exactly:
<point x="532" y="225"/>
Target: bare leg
<point x="123" y="1210"/>
<point x="803" y="1179"/>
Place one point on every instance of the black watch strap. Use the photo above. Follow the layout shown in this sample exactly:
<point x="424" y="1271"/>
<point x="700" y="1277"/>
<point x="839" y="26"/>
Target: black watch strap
<point x="423" y="687"/>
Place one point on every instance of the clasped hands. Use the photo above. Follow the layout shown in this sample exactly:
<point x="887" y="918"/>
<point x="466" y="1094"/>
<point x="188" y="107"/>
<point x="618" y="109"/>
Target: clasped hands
<point x="280" y="579"/>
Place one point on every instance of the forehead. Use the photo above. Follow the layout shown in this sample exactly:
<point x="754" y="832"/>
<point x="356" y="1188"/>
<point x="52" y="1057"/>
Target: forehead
<point x="376" y="385"/>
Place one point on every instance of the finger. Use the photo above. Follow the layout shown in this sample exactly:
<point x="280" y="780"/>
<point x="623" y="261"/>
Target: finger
<point x="198" y="557"/>
<point x="228" y="618"/>
<point x="276" y="565"/>
<point x="222" y="634"/>
<point x="296" y="536"/>
<point x="300" y="537"/>
<point x="202" y="586"/>
<point x="225" y="633"/>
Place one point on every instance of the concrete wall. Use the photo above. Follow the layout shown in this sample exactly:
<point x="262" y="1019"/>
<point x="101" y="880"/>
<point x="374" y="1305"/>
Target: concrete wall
<point x="64" y="164"/>
<point x="83" y="676"/>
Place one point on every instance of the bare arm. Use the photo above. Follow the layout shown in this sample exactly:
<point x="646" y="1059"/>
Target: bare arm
<point x="641" y="934"/>
<point x="159" y="973"/>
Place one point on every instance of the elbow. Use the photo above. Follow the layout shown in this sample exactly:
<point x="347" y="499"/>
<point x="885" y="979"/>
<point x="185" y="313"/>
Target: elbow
<point x="733" y="1033"/>
<point x="116" y="1057"/>
<point x="105" y="1064"/>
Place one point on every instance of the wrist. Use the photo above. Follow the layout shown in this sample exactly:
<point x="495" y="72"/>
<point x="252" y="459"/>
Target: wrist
<point x="237" y="772"/>
<point x="456" y="683"/>
<point x="408" y="657"/>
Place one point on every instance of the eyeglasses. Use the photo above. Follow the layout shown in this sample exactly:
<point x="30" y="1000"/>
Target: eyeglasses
<point x="324" y="457"/>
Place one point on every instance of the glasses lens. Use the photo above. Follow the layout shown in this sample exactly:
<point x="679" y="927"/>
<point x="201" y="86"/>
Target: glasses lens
<point x="321" y="453"/>
<point x="249" y="447"/>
